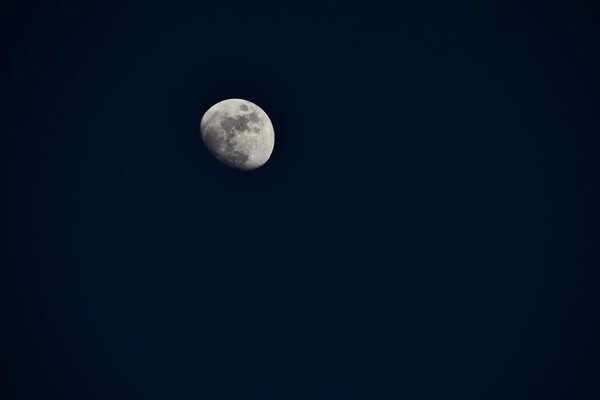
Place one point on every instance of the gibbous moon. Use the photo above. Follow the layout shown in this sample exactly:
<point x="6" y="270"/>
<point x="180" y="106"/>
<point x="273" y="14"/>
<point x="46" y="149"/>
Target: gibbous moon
<point x="238" y="133"/>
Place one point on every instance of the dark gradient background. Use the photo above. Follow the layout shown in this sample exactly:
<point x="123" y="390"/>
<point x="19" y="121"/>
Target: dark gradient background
<point x="425" y="229"/>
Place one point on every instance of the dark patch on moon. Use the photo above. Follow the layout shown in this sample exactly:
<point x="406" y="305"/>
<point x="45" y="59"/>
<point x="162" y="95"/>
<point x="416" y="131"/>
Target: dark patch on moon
<point x="239" y="123"/>
<point x="227" y="123"/>
<point x="243" y="107"/>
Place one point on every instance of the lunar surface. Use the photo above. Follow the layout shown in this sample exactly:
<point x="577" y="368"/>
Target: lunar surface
<point x="238" y="133"/>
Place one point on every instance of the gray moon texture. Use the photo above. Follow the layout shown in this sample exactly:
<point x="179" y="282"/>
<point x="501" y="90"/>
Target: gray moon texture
<point x="238" y="133"/>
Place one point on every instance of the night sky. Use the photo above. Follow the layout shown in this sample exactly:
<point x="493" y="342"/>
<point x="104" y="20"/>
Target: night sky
<point x="426" y="227"/>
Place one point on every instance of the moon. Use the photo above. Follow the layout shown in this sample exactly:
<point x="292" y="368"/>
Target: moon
<point x="238" y="133"/>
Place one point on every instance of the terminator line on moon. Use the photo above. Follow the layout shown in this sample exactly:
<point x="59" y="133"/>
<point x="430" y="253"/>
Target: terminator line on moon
<point x="238" y="133"/>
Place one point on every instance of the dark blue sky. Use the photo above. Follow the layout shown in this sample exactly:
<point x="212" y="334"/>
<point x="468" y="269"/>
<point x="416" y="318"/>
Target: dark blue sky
<point x="426" y="227"/>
